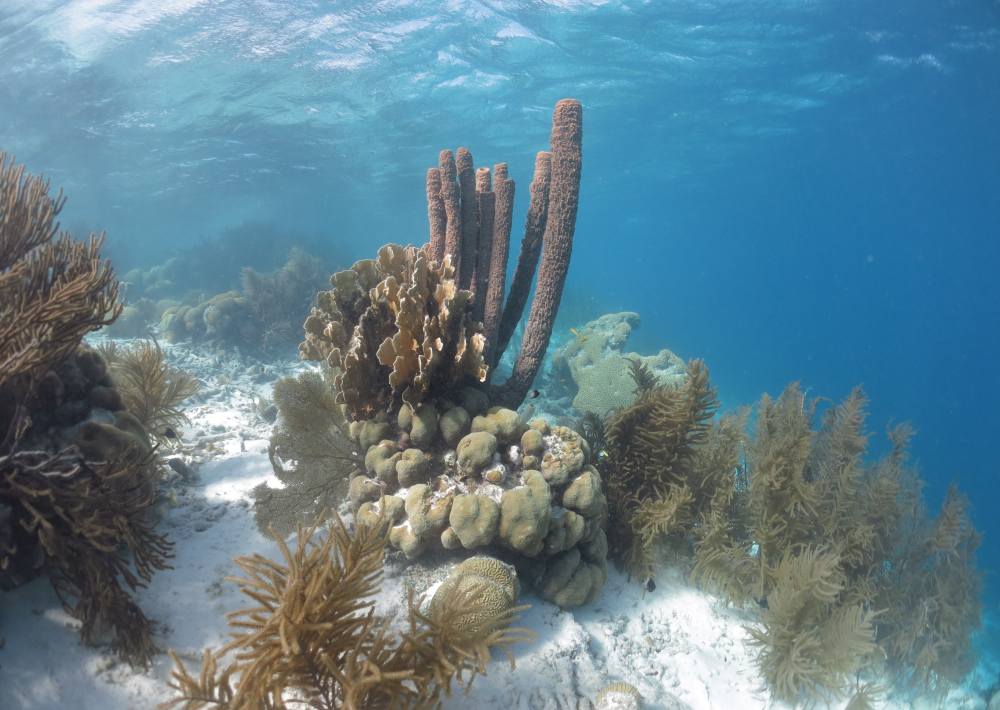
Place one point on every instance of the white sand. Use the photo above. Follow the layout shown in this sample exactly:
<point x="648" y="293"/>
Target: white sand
<point x="678" y="645"/>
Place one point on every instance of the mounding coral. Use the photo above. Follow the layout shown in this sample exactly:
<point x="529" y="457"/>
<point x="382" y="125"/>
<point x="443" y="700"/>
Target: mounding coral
<point x="75" y="467"/>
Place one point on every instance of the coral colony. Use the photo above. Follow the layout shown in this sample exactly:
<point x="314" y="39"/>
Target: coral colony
<point x="402" y="441"/>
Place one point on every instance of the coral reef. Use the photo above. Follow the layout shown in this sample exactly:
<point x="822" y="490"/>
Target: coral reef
<point x="259" y="317"/>
<point x="312" y="632"/>
<point x="602" y="372"/>
<point x="75" y="468"/>
<point x="404" y="357"/>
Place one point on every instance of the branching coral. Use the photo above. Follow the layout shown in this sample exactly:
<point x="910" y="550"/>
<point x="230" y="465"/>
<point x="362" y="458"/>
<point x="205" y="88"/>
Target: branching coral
<point x="835" y="547"/>
<point x="151" y="390"/>
<point x="313" y="638"/>
<point x="651" y="482"/>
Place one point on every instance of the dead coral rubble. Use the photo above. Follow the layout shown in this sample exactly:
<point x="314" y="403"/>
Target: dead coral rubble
<point x="75" y="467"/>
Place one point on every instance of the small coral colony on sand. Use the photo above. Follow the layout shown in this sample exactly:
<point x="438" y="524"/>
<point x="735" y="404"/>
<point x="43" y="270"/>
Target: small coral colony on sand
<point x="403" y="424"/>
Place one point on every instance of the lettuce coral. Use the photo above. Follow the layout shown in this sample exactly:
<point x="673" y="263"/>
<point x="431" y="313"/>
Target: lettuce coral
<point x="396" y="323"/>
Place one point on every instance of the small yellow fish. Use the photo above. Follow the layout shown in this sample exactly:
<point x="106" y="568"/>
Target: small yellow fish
<point x="173" y="499"/>
<point x="581" y="339"/>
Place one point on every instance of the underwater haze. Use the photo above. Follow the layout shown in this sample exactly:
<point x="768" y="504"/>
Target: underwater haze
<point x="793" y="190"/>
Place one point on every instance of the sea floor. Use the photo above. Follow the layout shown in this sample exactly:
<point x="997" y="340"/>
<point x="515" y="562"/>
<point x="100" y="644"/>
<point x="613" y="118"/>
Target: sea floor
<point x="679" y="646"/>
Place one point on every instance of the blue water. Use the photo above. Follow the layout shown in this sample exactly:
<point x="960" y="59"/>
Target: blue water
<point x="792" y="190"/>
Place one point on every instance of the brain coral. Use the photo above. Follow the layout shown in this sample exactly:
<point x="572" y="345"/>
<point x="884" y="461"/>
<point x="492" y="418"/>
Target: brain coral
<point x="491" y="583"/>
<point x="600" y="369"/>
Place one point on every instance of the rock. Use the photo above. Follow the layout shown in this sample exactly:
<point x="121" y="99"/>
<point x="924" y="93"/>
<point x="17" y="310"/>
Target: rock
<point x="187" y="473"/>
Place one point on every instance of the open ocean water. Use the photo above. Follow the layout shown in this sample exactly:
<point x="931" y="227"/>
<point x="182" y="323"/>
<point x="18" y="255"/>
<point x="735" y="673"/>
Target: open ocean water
<point x="793" y="190"/>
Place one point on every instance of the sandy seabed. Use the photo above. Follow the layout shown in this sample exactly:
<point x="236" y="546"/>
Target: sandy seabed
<point x="679" y="646"/>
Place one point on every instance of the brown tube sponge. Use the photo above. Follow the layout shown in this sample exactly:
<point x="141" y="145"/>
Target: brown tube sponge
<point x="452" y="206"/>
<point x="527" y="260"/>
<point x="470" y="219"/>
<point x="487" y="206"/>
<point x="436" y="214"/>
<point x="503" y="189"/>
<point x="564" y="199"/>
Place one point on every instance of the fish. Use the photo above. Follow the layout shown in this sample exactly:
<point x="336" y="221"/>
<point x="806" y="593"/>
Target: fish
<point x="173" y="499"/>
<point x="534" y="393"/>
<point x="650" y="585"/>
<point x="169" y="433"/>
<point x="581" y="338"/>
